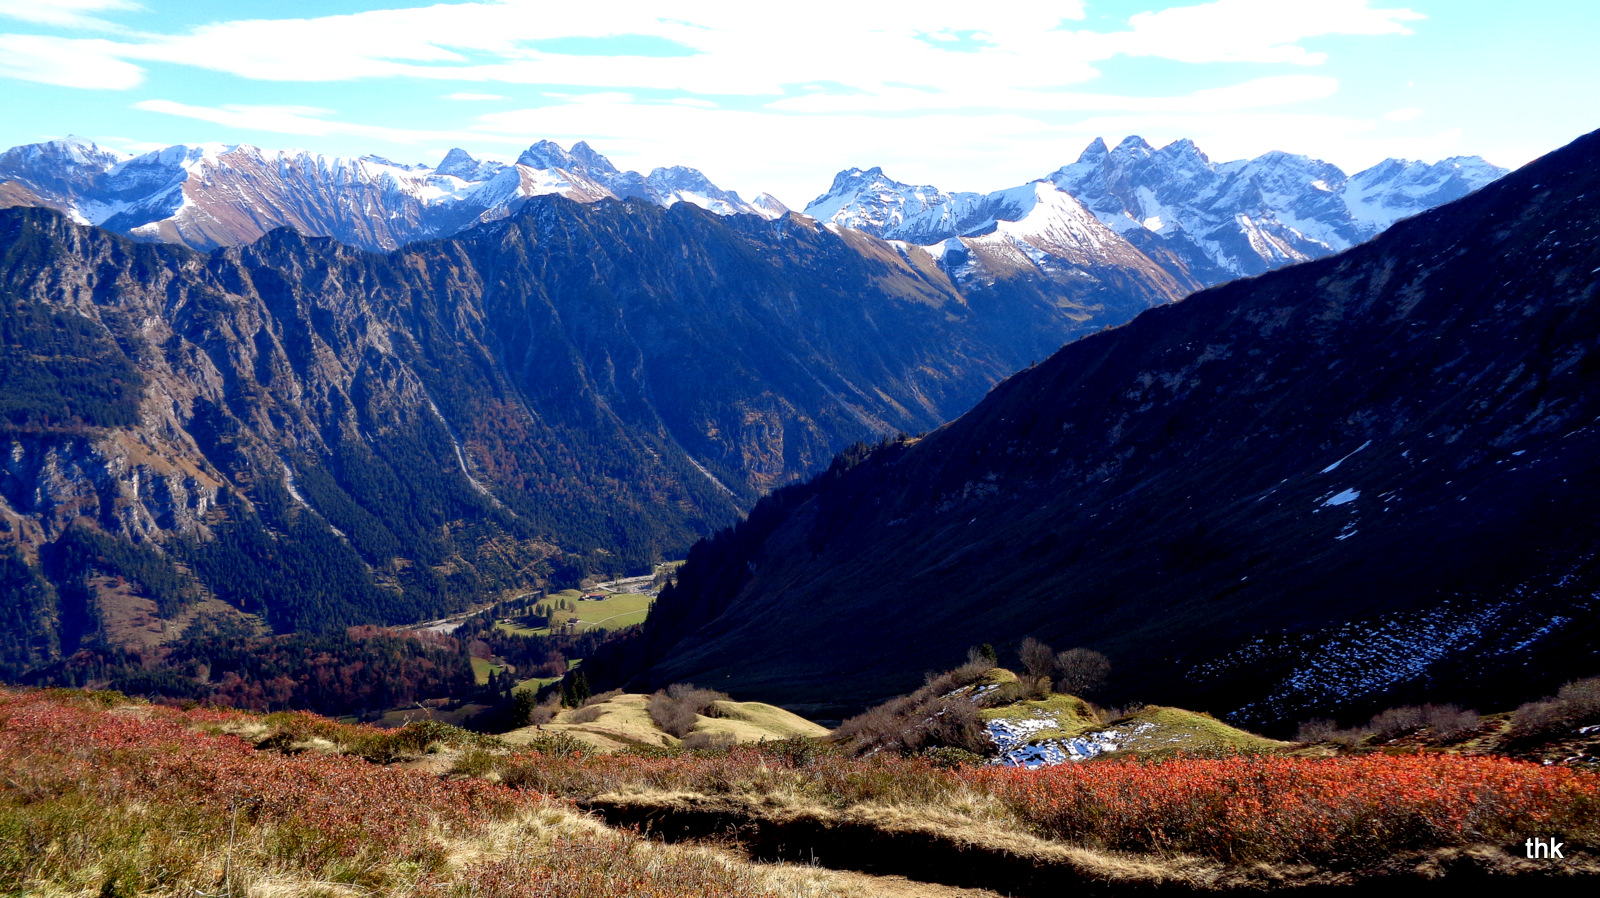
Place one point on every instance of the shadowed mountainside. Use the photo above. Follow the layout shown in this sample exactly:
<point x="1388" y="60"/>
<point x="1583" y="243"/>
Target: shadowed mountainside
<point x="1360" y="479"/>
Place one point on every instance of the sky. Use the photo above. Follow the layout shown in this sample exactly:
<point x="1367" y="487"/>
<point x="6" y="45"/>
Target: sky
<point x="778" y="97"/>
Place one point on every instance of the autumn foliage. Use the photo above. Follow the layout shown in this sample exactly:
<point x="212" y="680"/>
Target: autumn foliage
<point x="103" y="796"/>
<point x="1247" y="808"/>
<point x="1300" y="809"/>
<point x="100" y="794"/>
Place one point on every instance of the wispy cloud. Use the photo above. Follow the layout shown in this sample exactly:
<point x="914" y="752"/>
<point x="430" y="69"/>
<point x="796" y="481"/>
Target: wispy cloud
<point x="67" y="62"/>
<point x="756" y="94"/>
<point x="309" y="121"/>
<point x="66" y="13"/>
<point x="748" y="48"/>
<point x="1267" y="31"/>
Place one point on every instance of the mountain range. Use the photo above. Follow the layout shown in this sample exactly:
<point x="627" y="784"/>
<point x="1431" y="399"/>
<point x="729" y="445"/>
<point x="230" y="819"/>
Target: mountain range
<point x="1359" y="480"/>
<point x="1168" y="210"/>
<point x="1204" y="222"/>
<point x="216" y="195"/>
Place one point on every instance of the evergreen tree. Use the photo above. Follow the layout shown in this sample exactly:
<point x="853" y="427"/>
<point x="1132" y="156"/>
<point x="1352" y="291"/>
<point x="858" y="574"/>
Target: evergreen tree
<point x="522" y="705"/>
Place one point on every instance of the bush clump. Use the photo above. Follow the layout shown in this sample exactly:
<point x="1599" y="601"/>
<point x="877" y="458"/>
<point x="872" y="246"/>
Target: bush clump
<point x="675" y="708"/>
<point x="931" y="716"/>
<point x="1576" y="704"/>
<point x="1442" y="723"/>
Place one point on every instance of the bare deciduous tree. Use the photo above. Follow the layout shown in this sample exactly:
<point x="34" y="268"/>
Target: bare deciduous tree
<point x="1081" y="671"/>
<point x="1038" y="659"/>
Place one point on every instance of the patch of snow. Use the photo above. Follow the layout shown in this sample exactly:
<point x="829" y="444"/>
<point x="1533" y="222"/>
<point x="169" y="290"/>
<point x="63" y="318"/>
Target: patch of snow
<point x="1336" y="464"/>
<point x="1012" y="738"/>
<point x="1341" y="498"/>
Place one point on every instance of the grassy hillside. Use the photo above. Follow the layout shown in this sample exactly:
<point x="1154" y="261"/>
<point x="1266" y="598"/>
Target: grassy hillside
<point x="624" y="721"/>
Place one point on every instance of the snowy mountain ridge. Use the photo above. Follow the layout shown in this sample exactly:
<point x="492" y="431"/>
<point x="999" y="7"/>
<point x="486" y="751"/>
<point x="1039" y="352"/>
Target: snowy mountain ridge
<point x="1202" y="221"/>
<point x="213" y="195"/>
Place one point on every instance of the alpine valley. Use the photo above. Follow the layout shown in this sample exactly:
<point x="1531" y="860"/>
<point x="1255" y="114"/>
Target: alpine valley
<point x="251" y="391"/>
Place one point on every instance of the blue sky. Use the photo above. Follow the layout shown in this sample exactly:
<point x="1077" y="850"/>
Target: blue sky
<point x="769" y="97"/>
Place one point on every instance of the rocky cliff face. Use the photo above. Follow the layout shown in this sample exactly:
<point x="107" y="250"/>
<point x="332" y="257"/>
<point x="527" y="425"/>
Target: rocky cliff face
<point x="1365" y="479"/>
<point x="322" y="435"/>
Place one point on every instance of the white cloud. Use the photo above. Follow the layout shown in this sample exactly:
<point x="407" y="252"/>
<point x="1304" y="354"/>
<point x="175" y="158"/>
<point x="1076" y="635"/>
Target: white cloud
<point x="1270" y="91"/>
<point x="1006" y="89"/>
<point x="67" y="62"/>
<point x="753" y="49"/>
<point x="1268" y="31"/>
<point x="65" y="13"/>
<point x="306" y="121"/>
<point x="1402" y="115"/>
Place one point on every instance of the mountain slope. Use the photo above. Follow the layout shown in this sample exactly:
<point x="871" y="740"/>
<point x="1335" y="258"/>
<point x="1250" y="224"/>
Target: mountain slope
<point x="1358" y="479"/>
<point x="213" y="195"/>
<point x="325" y="436"/>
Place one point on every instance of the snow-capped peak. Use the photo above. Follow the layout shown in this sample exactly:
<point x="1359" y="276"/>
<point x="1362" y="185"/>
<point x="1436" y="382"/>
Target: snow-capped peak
<point x="458" y="163"/>
<point x="1244" y="217"/>
<point x="769" y="206"/>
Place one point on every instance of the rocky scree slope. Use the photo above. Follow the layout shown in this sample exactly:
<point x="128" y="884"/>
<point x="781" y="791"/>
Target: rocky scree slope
<point x="1365" y="479"/>
<point x="327" y="436"/>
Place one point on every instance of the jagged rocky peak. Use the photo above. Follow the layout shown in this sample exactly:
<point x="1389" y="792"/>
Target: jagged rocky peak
<point x="582" y="158"/>
<point x="594" y="162"/>
<point x="870" y="201"/>
<point x="769" y="206"/>
<point x="458" y="163"/>
<point x="547" y="154"/>
<point x="1133" y="146"/>
<point x="1223" y="220"/>
<point x="679" y="183"/>
<point x="1094" y="152"/>
<point x="73" y="149"/>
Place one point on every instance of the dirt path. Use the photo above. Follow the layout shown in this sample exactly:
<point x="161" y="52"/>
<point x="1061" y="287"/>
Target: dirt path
<point x="596" y="623"/>
<point x="864" y="885"/>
